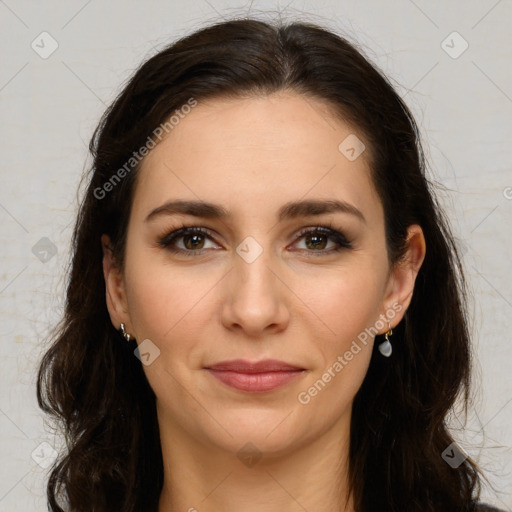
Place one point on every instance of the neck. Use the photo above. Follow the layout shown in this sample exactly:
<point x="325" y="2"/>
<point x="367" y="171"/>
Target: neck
<point x="205" y="478"/>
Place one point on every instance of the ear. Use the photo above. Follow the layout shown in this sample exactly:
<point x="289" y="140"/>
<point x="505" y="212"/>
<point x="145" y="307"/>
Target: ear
<point x="403" y="276"/>
<point x="114" y="286"/>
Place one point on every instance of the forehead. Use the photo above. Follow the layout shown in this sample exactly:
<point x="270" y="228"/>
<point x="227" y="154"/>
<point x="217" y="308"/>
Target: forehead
<point x="254" y="154"/>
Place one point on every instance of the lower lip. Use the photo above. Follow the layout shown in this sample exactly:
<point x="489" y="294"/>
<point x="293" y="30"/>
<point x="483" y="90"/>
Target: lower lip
<point x="255" y="382"/>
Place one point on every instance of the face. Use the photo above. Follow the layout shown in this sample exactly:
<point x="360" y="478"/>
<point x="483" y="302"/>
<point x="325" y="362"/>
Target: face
<point x="275" y="277"/>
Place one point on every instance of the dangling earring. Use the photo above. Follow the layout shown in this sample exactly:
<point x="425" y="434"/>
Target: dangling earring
<point x="385" y="347"/>
<point x="124" y="334"/>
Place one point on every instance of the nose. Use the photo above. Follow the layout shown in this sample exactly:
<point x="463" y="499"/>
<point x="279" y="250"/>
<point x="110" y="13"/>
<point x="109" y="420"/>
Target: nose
<point x="256" y="299"/>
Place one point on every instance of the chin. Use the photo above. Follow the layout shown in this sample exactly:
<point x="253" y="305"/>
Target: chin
<point x="272" y="432"/>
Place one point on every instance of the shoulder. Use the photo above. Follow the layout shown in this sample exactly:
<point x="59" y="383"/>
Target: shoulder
<point x="482" y="507"/>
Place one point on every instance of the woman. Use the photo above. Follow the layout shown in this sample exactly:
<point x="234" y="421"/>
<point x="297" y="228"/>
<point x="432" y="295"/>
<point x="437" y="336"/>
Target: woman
<point x="266" y="309"/>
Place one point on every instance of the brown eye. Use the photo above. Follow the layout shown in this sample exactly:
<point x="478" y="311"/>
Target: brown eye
<point x="322" y="240"/>
<point x="193" y="241"/>
<point x="316" y="241"/>
<point x="188" y="240"/>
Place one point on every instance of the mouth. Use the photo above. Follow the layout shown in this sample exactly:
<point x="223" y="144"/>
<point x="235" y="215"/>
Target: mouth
<point x="255" y="377"/>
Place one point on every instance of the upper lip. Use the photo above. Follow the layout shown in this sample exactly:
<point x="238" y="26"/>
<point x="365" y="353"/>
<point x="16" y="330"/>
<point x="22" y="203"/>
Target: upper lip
<point x="264" y="366"/>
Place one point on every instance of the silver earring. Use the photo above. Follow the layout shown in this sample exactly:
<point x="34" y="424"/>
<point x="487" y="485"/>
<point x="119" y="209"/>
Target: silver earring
<point x="125" y="335"/>
<point x="385" y="347"/>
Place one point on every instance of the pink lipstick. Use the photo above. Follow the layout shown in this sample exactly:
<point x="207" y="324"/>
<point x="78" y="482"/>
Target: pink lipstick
<point x="255" y="377"/>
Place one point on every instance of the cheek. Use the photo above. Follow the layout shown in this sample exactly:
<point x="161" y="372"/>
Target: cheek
<point x="173" y="308"/>
<point x="344" y="309"/>
<point x="162" y="298"/>
<point x="344" y="302"/>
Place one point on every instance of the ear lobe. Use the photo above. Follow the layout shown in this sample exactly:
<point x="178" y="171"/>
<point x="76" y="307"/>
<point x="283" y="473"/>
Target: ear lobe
<point x="403" y="275"/>
<point x="114" y="285"/>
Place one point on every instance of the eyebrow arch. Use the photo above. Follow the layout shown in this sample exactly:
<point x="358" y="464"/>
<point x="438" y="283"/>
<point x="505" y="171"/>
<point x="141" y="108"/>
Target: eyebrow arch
<point x="291" y="210"/>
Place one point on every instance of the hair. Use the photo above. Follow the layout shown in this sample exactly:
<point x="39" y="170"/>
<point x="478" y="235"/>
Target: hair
<point x="96" y="389"/>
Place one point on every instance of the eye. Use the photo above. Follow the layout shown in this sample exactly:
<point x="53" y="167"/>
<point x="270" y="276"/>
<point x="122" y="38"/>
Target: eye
<point x="193" y="240"/>
<point x="189" y="240"/>
<point x="323" y="240"/>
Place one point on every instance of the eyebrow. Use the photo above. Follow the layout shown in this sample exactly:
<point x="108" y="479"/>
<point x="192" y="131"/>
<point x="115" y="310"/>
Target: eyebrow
<point x="291" y="210"/>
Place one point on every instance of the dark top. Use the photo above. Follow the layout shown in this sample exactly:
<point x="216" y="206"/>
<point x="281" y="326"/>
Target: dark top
<point x="483" y="507"/>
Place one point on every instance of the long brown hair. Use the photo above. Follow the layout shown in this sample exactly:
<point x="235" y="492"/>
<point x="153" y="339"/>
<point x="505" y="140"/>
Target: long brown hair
<point x="96" y="388"/>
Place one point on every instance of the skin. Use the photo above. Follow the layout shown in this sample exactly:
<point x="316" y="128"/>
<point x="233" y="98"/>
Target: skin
<point x="289" y="304"/>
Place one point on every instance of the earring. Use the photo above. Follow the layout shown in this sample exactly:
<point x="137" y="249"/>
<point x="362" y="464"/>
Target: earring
<point x="385" y="347"/>
<point x="124" y="334"/>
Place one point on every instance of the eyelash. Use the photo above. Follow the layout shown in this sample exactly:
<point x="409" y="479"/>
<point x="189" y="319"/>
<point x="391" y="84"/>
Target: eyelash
<point x="325" y="230"/>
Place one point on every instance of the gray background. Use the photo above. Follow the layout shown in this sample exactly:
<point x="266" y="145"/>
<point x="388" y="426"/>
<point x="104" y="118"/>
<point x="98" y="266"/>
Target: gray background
<point x="50" y="106"/>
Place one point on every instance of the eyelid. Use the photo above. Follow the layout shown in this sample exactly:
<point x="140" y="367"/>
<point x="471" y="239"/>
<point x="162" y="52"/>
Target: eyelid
<point x="325" y="229"/>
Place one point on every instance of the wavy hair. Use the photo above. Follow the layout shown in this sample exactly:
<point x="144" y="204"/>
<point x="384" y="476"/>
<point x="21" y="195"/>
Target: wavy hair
<point x="96" y="389"/>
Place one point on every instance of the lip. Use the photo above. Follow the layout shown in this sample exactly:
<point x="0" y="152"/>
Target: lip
<point x="255" y="377"/>
<point x="264" y="366"/>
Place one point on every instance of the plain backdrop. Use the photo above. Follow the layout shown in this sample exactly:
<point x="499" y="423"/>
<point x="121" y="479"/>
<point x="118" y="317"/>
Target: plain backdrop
<point x="64" y="62"/>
